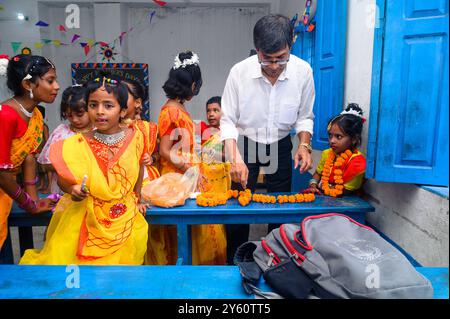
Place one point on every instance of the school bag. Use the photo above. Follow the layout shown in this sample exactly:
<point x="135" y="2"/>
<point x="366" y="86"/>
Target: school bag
<point x="328" y="256"/>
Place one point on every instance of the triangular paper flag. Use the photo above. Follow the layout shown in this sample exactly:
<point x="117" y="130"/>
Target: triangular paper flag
<point x="160" y="3"/>
<point x="46" y="41"/>
<point x="91" y="42"/>
<point x="86" y="49"/>
<point x="61" y="28"/>
<point x="83" y="44"/>
<point x="121" y="37"/>
<point x="103" y="44"/>
<point x="1" y="8"/>
<point x="15" y="46"/>
<point x="38" y="45"/>
<point x="151" y="14"/>
<point x="75" y="37"/>
<point x="41" y="23"/>
<point x="57" y="43"/>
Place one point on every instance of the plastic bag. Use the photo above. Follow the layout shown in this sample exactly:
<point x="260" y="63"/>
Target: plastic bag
<point x="171" y="189"/>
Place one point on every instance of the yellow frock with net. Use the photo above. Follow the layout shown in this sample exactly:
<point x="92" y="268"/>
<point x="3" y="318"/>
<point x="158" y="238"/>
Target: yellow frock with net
<point x="106" y="228"/>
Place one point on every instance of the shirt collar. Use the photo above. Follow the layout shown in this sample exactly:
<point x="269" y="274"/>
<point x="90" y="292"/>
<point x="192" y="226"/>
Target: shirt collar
<point x="256" y="71"/>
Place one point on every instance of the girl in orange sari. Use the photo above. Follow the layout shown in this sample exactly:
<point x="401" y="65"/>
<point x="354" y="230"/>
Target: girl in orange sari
<point x="176" y="133"/>
<point x="136" y="98"/>
<point x="99" y="219"/>
<point x="32" y="79"/>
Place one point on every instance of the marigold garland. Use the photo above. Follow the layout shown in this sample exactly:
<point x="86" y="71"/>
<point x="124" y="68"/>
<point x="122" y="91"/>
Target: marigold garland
<point x="338" y="188"/>
<point x="265" y="199"/>
<point x="297" y="198"/>
<point x="245" y="197"/>
<point x="211" y="199"/>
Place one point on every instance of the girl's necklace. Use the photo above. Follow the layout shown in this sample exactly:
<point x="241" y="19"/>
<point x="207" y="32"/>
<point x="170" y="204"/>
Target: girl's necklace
<point x="24" y="110"/>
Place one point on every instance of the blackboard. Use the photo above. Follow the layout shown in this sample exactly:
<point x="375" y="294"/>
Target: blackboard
<point x="85" y="72"/>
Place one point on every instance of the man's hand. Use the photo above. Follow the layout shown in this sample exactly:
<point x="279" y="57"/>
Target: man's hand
<point x="77" y="193"/>
<point x="239" y="173"/>
<point x="304" y="156"/>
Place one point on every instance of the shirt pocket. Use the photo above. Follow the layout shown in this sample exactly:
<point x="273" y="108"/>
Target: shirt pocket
<point x="288" y="113"/>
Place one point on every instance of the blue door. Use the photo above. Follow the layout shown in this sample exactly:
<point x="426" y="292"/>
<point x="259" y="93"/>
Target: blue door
<point x="324" y="49"/>
<point x="409" y="110"/>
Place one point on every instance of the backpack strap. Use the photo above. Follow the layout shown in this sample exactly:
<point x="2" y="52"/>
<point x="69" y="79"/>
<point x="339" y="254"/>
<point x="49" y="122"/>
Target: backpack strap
<point x="250" y="271"/>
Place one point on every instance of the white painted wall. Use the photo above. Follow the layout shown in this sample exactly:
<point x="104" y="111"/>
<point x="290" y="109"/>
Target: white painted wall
<point x="219" y="31"/>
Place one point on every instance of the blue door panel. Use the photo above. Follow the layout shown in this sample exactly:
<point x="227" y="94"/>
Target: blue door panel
<point x="412" y="131"/>
<point x="324" y="50"/>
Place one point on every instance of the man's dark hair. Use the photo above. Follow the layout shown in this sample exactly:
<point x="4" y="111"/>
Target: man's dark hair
<point x="272" y="33"/>
<point x="214" y="99"/>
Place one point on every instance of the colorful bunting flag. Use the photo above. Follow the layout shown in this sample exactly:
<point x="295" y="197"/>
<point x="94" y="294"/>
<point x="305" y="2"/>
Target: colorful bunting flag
<point x="160" y="3"/>
<point x="151" y="14"/>
<point x="61" y="28"/>
<point x="56" y="43"/>
<point x="47" y="41"/>
<point x="90" y="42"/>
<point x="15" y="46"/>
<point x="86" y="49"/>
<point x="38" y="45"/>
<point x="41" y="23"/>
<point x="75" y="37"/>
<point x="83" y="44"/>
<point x="121" y="37"/>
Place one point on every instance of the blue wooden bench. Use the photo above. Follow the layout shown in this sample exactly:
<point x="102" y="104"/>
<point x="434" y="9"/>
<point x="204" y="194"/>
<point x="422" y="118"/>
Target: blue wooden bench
<point x="142" y="282"/>
<point x="191" y="214"/>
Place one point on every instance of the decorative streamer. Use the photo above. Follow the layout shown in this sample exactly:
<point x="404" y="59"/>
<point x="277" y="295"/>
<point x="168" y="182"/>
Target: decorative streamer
<point x="41" y="23"/>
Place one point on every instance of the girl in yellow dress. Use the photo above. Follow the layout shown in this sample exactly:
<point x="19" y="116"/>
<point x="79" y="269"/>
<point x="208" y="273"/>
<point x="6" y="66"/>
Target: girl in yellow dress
<point x="98" y="220"/>
<point x="176" y="133"/>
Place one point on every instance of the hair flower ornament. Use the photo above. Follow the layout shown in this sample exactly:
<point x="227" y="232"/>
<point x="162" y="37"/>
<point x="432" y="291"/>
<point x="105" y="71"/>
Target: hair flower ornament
<point x="192" y="61"/>
<point x="4" y="60"/>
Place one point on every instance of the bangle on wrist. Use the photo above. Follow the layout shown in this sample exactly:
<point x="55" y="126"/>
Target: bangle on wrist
<point x="313" y="181"/>
<point x="31" y="183"/>
<point x="18" y="193"/>
<point x="29" y="204"/>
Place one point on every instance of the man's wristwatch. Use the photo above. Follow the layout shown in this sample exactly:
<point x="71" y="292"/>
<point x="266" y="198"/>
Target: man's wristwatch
<point x="307" y="146"/>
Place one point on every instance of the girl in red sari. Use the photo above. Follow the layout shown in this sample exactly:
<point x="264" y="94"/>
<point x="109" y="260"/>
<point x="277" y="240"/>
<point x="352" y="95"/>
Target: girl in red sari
<point x="32" y="79"/>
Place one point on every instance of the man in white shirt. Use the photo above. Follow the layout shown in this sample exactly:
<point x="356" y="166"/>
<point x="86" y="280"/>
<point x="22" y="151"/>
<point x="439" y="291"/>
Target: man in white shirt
<point x="265" y="97"/>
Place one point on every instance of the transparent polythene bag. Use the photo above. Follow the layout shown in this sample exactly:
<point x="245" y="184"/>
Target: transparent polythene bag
<point x="171" y="189"/>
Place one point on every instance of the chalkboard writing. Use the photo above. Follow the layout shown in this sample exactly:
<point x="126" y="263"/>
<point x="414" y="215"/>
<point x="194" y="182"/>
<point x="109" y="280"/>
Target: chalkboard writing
<point x="85" y="72"/>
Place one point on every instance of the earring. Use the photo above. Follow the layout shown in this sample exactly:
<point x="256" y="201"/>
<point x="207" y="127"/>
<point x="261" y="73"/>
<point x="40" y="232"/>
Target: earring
<point x="31" y="94"/>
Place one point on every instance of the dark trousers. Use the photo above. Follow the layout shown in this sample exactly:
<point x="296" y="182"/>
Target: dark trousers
<point x="277" y="160"/>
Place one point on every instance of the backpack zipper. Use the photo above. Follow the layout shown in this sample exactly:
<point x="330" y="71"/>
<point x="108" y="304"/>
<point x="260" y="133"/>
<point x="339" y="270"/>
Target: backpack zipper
<point x="273" y="258"/>
<point x="294" y="253"/>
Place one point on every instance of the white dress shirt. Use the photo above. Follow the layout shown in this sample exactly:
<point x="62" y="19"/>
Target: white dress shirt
<point x="266" y="113"/>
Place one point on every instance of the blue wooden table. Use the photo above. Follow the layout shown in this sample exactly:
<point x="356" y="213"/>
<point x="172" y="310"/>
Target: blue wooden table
<point x="143" y="282"/>
<point x="231" y="213"/>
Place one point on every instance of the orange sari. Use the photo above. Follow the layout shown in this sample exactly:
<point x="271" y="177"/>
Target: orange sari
<point x="208" y="241"/>
<point x="20" y="148"/>
<point x="150" y="132"/>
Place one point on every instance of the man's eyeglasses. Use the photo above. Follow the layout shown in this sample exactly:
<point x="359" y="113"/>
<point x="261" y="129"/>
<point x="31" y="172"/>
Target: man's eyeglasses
<point x="279" y="62"/>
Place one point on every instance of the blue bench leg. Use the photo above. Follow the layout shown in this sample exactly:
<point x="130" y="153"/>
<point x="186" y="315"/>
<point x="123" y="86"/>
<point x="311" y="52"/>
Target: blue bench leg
<point x="25" y="239"/>
<point x="184" y="243"/>
<point x="6" y="252"/>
